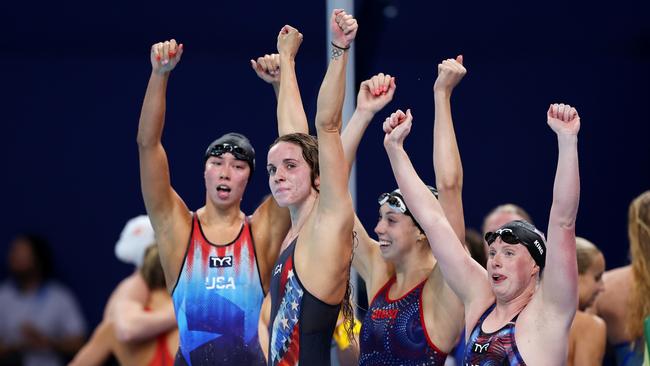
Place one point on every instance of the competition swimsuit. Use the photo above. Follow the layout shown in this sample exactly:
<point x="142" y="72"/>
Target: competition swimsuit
<point x="162" y="357"/>
<point x="217" y="300"/>
<point x="301" y="325"/>
<point x="393" y="331"/>
<point x="496" y="348"/>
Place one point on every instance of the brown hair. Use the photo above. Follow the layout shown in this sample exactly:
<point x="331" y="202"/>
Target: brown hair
<point x="152" y="270"/>
<point x="346" y="305"/>
<point x="474" y="242"/>
<point x="309" y="146"/>
<point x="585" y="253"/>
<point x="639" y="234"/>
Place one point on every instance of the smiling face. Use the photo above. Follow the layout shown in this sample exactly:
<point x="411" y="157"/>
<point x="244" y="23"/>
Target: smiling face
<point x="289" y="174"/>
<point x="511" y="269"/>
<point x="590" y="283"/>
<point x="396" y="233"/>
<point x="225" y="179"/>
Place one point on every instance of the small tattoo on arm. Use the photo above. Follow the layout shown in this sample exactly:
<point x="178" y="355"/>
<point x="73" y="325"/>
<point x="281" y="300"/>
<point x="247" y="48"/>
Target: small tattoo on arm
<point x="336" y="53"/>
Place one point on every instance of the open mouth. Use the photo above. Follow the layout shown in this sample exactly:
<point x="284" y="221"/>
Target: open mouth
<point x="384" y="243"/>
<point x="498" y="278"/>
<point x="223" y="188"/>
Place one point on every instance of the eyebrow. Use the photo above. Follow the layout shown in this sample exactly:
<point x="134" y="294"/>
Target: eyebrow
<point x="389" y="213"/>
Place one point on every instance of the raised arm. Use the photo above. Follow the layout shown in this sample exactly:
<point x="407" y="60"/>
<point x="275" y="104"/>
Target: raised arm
<point x="168" y="213"/>
<point x="267" y="68"/>
<point x="464" y="275"/>
<point x="560" y="280"/>
<point x="446" y="158"/>
<point x="374" y="94"/>
<point x="270" y="224"/>
<point x="334" y="194"/>
<point x="291" y="114"/>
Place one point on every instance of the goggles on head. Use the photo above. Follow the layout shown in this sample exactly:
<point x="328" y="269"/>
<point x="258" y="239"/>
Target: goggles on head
<point x="395" y="202"/>
<point x="506" y="235"/>
<point x="220" y="149"/>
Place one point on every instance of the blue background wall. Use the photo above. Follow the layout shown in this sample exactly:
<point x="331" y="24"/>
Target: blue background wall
<point x="74" y="75"/>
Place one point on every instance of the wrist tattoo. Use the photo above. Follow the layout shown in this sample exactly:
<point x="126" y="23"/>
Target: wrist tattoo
<point x="336" y="53"/>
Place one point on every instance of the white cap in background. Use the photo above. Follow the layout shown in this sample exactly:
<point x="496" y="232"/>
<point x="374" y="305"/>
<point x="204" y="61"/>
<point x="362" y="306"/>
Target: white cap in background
<point x="135" y="238"/>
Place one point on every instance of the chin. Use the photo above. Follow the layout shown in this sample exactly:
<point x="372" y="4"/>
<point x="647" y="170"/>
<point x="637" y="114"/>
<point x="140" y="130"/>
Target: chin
<point x="281" y="201"/>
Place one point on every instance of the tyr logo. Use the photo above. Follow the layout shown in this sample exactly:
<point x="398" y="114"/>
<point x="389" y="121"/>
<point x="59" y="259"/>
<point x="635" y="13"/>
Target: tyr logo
<point x="480" y="348"/>
<point x="220" y="262"/>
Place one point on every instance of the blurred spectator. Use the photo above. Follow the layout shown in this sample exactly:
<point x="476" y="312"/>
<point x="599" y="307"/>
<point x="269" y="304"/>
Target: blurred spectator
<point x="40" y="323"/>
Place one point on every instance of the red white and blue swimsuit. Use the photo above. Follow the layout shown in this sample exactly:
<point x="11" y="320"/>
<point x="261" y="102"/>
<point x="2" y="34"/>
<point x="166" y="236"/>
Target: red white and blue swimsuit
<point x="217" y="299"/>
<point x="492" y="349"/>
<point x="393" y="331"/>
<point x="301" y="325"/>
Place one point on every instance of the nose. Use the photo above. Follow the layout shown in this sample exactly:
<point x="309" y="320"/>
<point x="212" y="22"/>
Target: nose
<point x="224" y="173"/>
<point x="278" y="175"/>
<point x="380" y="227"/>
<point x="496" y="261"/>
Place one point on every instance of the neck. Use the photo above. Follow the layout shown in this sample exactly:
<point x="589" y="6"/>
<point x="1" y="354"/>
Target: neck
<point x="300" y="211"/>
<point x="415" y="265"/>
<point x="29" y="283"/>
<point x="508" y="308"/>
<point x="212" y="214"/>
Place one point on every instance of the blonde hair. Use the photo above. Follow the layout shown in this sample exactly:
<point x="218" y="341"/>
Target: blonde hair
<point x="585" y="253"/>
<point x="639" y="235"/>
<point x="508" y="208"/>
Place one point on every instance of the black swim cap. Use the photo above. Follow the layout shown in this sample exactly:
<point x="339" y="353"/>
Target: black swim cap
<point x="521" y="232"/>
<point x="236" y="144"/>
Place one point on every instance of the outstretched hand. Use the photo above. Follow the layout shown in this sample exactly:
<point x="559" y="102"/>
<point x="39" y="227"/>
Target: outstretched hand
<point x="397" y="127"/>
<point x="343" y="27"/>
<point x="375" y="93"/>
<point x="289" y="40"/>
<point x="165" y="56"/>
<point x="267" y="68"/>
<point x="563" y="119"/>
<point x="450" y="73"/>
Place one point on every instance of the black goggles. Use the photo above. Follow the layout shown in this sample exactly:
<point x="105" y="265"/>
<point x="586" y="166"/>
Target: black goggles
<point x="220" y="149"/>
<point x="394" y="202"/>
<point x="506" y="235"/>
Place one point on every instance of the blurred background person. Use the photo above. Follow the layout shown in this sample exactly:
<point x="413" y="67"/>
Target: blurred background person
<point x="41" y="323"/>
<point x="587" y="338"/>
<point x="625" y="303"/>
<point x="157" y="350"/>
<point x="126" y="305"/>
